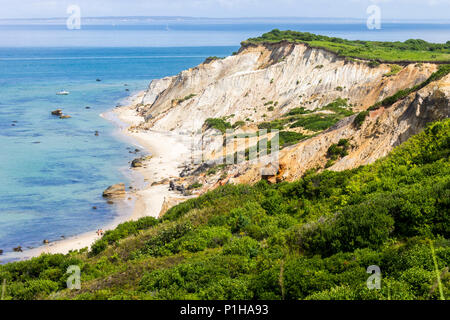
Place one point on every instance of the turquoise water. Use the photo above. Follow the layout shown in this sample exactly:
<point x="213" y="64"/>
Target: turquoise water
<point x="53" y="171"/>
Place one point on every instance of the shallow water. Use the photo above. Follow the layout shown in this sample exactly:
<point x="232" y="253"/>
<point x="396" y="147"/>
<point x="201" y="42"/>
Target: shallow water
<point x="53" y="171"/>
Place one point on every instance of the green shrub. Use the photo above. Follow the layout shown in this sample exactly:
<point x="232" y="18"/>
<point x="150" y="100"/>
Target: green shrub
<point x="339" y="150"/>
<point x="244" y="246"/>
<point x="366" y="225"/>
<point x="219" y="124"/>
<point x="207" y="237"/>
<point x="360" y="118"/>
<point x="195" y="185"/>
<point x="122" y="231"/>
<point x="288" y="138"/>
<point x="31" y="289"/>
<point x="238" y="124"/>
<point x="316" y="122"/>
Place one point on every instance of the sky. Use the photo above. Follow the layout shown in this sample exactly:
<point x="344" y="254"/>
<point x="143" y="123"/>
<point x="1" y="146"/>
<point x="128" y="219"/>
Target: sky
<point x="390" y="9"/>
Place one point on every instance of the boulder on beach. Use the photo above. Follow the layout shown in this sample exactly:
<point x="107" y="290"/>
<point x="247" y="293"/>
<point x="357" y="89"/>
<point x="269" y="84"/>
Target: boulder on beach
<point x="117" y="190"/>
<point x="17" y="249"/>
<point x="137" y="163"/>
<point x="57" y="112"/>
<point x="45" y="242"/>
<point x="65" y="116"/>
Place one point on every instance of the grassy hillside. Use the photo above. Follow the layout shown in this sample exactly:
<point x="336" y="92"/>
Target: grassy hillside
<point x="310" y="239"/>
<point x="410" y="50"/>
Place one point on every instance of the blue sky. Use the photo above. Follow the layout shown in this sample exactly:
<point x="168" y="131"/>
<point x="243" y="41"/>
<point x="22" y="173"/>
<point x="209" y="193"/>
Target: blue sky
<point x="391" y="9"/>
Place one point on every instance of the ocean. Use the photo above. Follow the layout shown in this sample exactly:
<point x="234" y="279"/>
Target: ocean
<point x="53" y="171"/>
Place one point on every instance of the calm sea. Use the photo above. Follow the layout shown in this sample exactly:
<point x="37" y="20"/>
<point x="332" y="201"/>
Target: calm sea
<point x="53" y="171"/>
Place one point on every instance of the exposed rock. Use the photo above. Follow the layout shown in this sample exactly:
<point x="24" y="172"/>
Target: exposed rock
<point x="65" y="116"/>
<point x="137" y="163"/>
<point x="117" y="190"/>
<point x="162" y="182"/>
<point x="57" y="112"/>
<point x="45" y="242"/>
<point x="1" y="252"/>
<point x="18" y="249"/>
<point x="169" y="203"/>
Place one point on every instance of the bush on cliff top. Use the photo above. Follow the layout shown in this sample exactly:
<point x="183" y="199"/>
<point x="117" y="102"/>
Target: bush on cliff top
<point x="410" y="50"/>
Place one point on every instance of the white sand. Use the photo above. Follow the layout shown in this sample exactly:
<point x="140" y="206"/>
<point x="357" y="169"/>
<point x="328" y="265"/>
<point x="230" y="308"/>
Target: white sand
<point x="168" y="153"/>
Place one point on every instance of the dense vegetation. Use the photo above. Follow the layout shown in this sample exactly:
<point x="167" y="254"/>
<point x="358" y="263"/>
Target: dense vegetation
<point x="410" y="50"/>
<point x="310" y="239"/>
<point x="220" y="124"/>
<point x="317" y="120"/>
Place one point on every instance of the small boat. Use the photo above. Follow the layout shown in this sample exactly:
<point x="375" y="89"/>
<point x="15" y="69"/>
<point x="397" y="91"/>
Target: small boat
<point x="63" y="93"/>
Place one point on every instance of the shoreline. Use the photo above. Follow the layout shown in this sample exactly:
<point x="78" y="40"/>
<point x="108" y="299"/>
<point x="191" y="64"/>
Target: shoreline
<point x="148" y="195"/>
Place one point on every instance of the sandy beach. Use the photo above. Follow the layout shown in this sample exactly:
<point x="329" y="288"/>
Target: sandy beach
<point x="148" y="193"/>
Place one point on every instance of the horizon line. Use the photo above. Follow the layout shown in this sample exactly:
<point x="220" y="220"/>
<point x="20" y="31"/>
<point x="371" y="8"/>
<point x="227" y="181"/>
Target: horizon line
<point x="220" y="18"/>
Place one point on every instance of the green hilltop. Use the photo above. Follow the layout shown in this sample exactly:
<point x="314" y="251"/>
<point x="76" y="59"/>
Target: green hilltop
<point x="413" y="50"/>
<point x="309" y="239"/>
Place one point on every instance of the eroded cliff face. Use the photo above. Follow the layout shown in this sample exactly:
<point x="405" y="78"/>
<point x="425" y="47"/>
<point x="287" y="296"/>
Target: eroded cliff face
<point x="290" y="76"/>
<point x="383" y="130"/>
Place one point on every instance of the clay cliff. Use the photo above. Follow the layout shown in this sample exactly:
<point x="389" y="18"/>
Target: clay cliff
<point x="262" y="83"/>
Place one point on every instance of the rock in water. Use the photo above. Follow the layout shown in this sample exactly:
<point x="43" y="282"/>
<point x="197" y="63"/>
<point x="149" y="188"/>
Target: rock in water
<point x="1" y="252"/>
<point x="45" y="242"/>
<point x="117" y="190"/>
<point x="18" y="249"/>
<point x="137" y="163"/>
<point x="65" y="117"/>
<point x="57" y="112"/>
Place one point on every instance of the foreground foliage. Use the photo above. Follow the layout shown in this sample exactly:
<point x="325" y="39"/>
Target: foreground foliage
<point x="310" y="239"/>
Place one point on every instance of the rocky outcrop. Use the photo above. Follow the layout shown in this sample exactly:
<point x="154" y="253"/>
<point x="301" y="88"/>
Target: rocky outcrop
<point x="115" y="191"/>
<point x="139" y="162"/>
